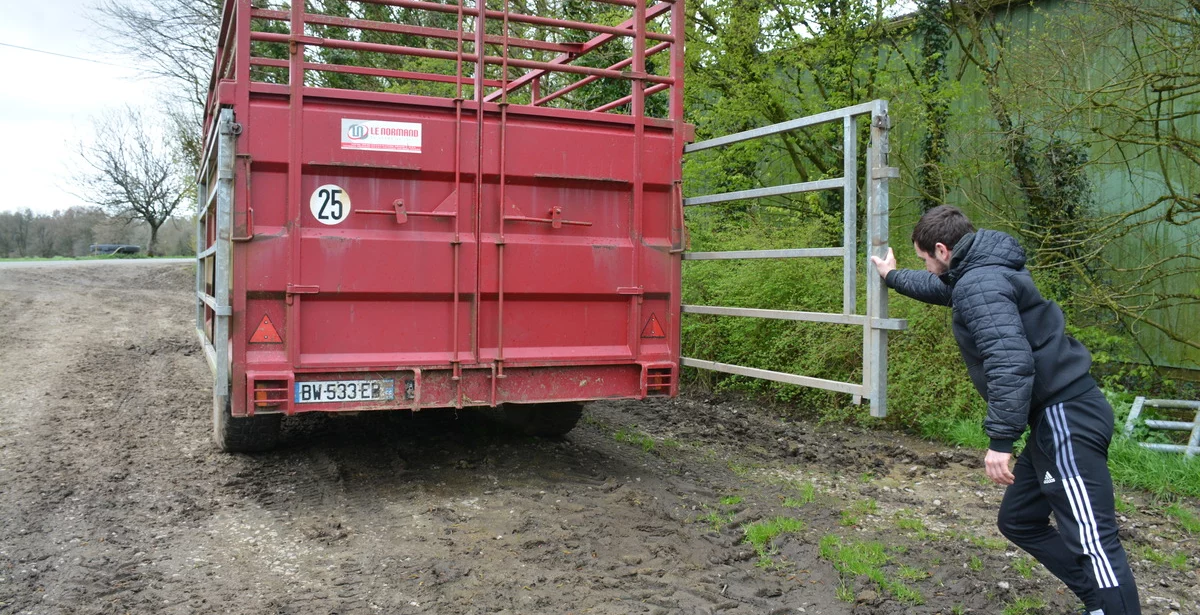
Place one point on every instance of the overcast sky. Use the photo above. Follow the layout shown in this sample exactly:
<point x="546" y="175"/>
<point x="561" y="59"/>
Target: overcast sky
<point x="47" y="101"/>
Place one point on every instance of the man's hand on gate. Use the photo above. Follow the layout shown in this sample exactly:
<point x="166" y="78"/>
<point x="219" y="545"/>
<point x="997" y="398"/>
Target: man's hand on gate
<point x="884" y="265"/>
<point x="996" y="465"/>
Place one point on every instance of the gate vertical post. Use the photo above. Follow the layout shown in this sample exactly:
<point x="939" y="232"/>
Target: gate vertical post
<point x="849" y="213"/>
<point x="874" y="338"/>
<point x="223" y="257"/>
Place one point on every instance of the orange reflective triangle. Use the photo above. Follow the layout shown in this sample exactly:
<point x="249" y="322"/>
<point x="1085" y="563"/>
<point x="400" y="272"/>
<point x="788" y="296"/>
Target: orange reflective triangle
<point x="653" y="328"/>
<point x="265" y="333"/>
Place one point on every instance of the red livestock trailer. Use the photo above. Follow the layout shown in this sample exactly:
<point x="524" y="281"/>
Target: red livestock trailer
<point x="412" y="204"/>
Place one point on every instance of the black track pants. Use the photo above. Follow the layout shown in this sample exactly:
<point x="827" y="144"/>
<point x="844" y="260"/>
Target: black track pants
<point x="1064" y="470"/>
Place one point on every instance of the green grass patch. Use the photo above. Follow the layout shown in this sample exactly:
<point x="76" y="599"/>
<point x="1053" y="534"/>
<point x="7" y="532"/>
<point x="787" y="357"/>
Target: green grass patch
<point x="845" y="593"/>
<point x="910" y="524"/>
<point x="806" y="493"/>
<point x="975" y="563"/>
<point x="865" y="507"/>
<point x="1025" y="605"/>
<point x="1184" y="516"/>
<point x="1124" y="506"/>
<point x="732" y="500"/>
<point x="1177" y="560"/>
<point x="867" y="558"/>
<point x="761" y="533"/>
<point x="715" y="519"/>
<point x="958" y="431"/>
<point x="630" y="435"/>
<point x="983" y="542"/>
<point x="849" y="519"/>
<point x="910" y="573"/>
<point x="741" y="469"/>
<point x="1166" y="475"/>
<point x="1024" y="566"/>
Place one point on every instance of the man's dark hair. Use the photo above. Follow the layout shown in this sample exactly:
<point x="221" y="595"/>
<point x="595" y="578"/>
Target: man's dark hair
<point x="944" y="224"/>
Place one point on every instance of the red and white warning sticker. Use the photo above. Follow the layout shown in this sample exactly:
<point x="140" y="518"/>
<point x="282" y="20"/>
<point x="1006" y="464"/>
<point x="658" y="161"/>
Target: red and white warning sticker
<point x="382" y="136"/>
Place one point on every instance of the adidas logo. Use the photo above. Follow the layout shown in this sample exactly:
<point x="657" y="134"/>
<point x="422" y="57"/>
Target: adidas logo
<point x="1049" y="479"/>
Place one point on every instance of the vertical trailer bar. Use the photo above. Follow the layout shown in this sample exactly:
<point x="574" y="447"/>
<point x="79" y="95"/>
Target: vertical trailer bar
<point x="295" y="177"/>
<point x="480" y="70"/>
<point x="500" y="243"/>
<point x="636" y="228"/>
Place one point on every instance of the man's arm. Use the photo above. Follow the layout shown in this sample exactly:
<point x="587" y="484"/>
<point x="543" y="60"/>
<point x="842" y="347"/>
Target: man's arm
<point x="919" y="285"/>
<point x="988" y="306"/>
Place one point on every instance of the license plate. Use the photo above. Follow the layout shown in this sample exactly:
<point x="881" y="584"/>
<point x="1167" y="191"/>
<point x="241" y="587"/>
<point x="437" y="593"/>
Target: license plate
<point x="335" y="391"/>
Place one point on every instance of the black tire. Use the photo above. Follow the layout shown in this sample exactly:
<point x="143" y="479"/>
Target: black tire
<point x="246" y="434"/>
<point x="545" y="420"/>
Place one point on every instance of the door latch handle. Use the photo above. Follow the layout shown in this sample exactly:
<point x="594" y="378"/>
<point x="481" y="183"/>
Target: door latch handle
<point x="555" y="220"/>
<point x="401" y="212"/>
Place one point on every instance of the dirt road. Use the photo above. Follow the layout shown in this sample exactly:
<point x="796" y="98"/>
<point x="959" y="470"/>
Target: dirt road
<point x="113" y="500"/>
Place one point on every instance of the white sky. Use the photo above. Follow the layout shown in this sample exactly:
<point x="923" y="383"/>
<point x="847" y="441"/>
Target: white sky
<point x="47" y="101"/>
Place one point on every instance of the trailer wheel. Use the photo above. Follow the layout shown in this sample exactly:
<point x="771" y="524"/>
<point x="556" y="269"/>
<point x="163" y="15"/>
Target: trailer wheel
<point x="245" y="434"/>
<point x="545" y="420"/>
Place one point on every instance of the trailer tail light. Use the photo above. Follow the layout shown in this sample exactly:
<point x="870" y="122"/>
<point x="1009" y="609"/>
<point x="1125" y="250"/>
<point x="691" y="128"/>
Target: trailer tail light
<point x="270" y="395"/>
<point x="658" y="381"/>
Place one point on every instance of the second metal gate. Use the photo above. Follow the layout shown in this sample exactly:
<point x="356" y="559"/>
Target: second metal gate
<point x="875" y="321"/>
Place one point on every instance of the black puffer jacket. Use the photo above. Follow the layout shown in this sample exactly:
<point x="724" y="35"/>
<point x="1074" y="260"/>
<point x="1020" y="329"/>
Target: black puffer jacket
<point x="1013" y="340"/>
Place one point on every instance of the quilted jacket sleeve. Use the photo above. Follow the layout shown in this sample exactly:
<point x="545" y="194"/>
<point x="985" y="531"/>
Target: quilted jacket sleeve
<point x="988" y="306"/>
<point x="919" y="285"/>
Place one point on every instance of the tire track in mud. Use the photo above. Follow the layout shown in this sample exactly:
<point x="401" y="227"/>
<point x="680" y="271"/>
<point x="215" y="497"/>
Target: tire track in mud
<point x="68" y="438"/>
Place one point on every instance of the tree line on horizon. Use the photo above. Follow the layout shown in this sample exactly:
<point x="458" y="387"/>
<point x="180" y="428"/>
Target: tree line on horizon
<point x="72" y="232"/>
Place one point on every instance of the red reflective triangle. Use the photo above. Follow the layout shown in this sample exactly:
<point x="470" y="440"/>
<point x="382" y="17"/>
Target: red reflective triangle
<point x="265" y="333"/>
<point x="652" y="328"/>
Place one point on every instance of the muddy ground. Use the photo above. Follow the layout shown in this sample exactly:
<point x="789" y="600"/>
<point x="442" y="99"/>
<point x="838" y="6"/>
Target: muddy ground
<point x="113" y="499"/>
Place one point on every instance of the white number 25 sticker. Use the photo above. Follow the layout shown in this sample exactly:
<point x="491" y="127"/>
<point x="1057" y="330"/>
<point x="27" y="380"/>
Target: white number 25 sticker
<point x="330" y="204"/>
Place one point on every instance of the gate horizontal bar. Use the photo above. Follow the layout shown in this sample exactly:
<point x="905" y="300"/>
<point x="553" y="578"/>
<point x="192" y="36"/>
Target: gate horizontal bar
<point x="1181" y="404"/>
<point x="1174" y="425"/>
<point x="210" y="301"/>
<point x="754" y="133"/>
<point x="1171" y="448"/>
<point x="893" y="324"/>
<point x="824" y="184"/>
<point x="804" y="381"/>
<point x="739" y="254"/>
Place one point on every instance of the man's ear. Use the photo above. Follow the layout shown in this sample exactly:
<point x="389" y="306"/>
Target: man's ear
<point x="941" y="252"/>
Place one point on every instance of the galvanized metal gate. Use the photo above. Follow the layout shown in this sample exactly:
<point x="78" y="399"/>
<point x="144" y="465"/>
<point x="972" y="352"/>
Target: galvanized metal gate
<point x="1193" y="446"/>
<point x="214" y="272"/>
<point x="875" y="321"/>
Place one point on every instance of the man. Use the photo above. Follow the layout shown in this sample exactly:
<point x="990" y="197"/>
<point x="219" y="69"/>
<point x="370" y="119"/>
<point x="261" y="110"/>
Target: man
<point x="1030" y="373"/>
